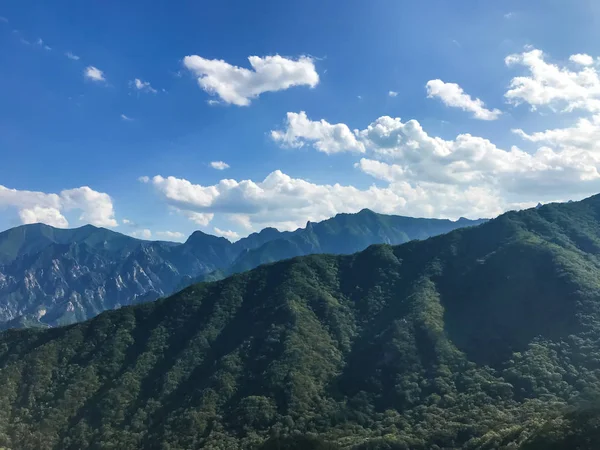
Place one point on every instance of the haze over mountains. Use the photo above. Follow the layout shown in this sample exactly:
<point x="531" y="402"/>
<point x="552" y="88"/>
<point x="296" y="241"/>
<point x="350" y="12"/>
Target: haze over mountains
<point x="51" y="276"/>
<point x="481" y="338"/>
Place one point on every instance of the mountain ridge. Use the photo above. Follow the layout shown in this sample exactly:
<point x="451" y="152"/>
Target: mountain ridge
<point x="475" y="339"/>
<point x="51" y="276"/>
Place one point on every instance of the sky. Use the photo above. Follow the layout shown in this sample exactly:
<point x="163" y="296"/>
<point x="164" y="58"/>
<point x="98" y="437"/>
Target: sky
<point x="159" y="118"/>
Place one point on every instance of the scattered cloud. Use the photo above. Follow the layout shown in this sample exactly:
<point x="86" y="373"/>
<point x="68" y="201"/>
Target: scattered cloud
<point x="453" y="95"/>
<point x="211" y="102"/>
<point x="126" y="118"/>
<point x="239" y="86"/>
<point x="127" y="222"/>
<point x="142" y="234"/>
<point x="170" y="235"/>
<point x="144" y="179"/>
<point x="582" y="59"/>
<point x="228" y="234"/>
<point x="72" y="56"/>
<point x="3" y="19"/>
<point x="509" y="15"/>
<point x="219" y="165"/>
<point x="94" y="207"/>
<point x="41" y="43"/>
<point x="552" y="85"/>
<point x="94" y="74"/>
<point x="322" y="135"/>
<point x="142" y="86"/>
<point x="392" y="93"/>
<point x="202" y="219"/>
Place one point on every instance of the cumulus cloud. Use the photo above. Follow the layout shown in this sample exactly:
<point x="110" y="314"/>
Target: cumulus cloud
<point x="94" y="74"/>
<point x="94" y="207"/>
<point x="472" y="160"/>
<point x="142" y="234"/>
<point x="552" y="85"/>
<point x="170" y="235"/>
<point x="322" y="135"/>
<point x="238" y="85"/>
<point x="219" y="165"/>
<point x="422" y="175"/>
<point x="39" y="214"/>
<point x="228" y="234"/>
<point x="142" y="86"/>
<point x="392" y="93"/>
<point x="453" y="95"/>
<point x="202" y="219"/>
<point x="582" y="59"/>
<point x="418" y="174"/>
<point x="72" y="56"/>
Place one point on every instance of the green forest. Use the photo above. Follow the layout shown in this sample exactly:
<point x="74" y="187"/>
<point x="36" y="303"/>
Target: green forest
<point x="487" y="337"/>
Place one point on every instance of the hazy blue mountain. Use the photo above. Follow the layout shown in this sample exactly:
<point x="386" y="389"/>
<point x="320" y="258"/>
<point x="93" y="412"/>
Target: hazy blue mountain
<point x="345" y="234"/>
<point x="51" y="276"/>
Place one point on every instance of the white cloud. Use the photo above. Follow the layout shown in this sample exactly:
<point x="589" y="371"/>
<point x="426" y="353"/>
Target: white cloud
<point x="39" y="214"/>
<point x="3" y="19"/>
<point x="211" y="102"/>
<point x="238" y="85"/>
<point x="126" y="222"/>
<point x="552" y="85"/>
<point x="41" y="43"/>
<point x="143" y="86"/>
<point x="509" y="15"/>
<point x="425" y="175"/>
<point x="219" y="165"/>
<point x="231" y="235"/>
<point x="126" y="118"/>
<point x="392" y="93"/>
<point x="95" y="207"/>
<point x="144" y="179"/>
<point x="322" y="135"/>
<point x="170" y="235"/>
<point x="453" y="95"/>
<point x="582" y="59"/>
<point x="94" y="74"/>
<point x="72" y="56"/>
<point x="471" y="160"/>
<point x="202" y="219"/>
<point x="142" y="234"/>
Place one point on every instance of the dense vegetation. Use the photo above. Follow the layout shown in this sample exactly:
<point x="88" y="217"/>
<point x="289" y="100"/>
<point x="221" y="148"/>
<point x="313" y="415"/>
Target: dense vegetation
<point x="483" y="338"/>
<point x="51" y="276"/>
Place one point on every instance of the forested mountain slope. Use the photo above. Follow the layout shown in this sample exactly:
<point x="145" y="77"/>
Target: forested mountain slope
<point x="476" y="339"/>
<point x="51" y="276"/>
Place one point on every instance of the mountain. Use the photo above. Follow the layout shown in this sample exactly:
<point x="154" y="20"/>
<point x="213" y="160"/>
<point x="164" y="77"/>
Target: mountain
<point x="344" y="234"/>
<point x="482" y="338"/>
<point x="51" y="276"/>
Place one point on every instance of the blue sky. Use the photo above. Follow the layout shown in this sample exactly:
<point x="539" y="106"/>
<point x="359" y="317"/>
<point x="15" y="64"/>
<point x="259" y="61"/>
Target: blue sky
<point x="77" y="135"/>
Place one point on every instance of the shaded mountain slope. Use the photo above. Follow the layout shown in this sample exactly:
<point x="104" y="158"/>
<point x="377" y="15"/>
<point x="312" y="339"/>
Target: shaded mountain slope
<point x="474" y="339"/>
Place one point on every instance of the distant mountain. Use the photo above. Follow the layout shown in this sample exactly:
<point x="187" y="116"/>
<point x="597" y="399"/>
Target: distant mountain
<point x="345" y="234"/>
<point x="51" y="276"/>
<point x="482" y="338"/>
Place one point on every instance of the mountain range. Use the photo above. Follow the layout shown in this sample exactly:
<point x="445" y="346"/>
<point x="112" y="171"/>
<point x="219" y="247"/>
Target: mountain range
<point x="486" y="337"/>
<point x="51" y="276"/>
